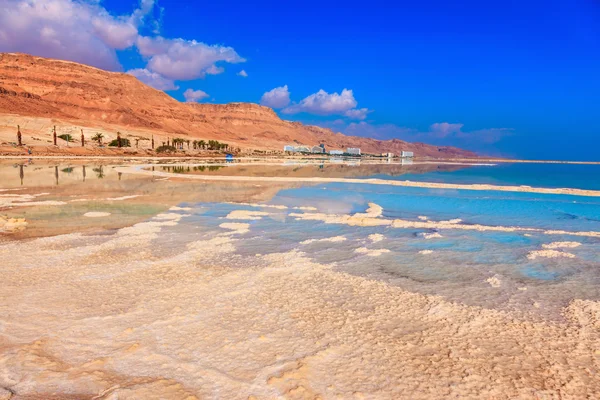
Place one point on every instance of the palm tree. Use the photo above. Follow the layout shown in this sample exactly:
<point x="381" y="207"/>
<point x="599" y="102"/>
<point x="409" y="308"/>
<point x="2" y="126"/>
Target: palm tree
<point x="202" y="144"/>
<point x="98" y="138"/>
<point x="188" y="144"/>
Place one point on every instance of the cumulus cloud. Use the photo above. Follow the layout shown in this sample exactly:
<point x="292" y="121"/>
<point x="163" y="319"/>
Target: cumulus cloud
<point x="84" y="31"/>
<point x="67" y="29"/>
<point x="47" y="28"/>
<point x="276" y="98"/>
<point x="181" y="59"/>
<point x="243" y="74"/>
<point x="323" y="103"/>
<point x="194" y="95"/>
<point x="153" y="79"/>
<point x="117" y="33"/>
<point x="357" y="113"/>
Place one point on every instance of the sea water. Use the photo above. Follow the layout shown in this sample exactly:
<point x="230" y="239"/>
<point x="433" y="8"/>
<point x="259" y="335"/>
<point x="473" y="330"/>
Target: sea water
<point x="492" y="269"/>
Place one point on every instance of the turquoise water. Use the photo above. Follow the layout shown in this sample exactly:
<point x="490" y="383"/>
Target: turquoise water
<point x="537" y="175"/>
<point x="475" y="207"/>
<point x="492" y="269"/>
<point x="460" y="263"/>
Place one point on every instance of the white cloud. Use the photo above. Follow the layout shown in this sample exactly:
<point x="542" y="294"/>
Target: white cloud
<point x="180" y="59"/>
<point x="243" y="74"/>
<point x="72" y="30"/>
<point x="276" y="98"/>
<point x="84" y="31"/>
<point x="357" y="113"/>
<point x="194" y="95"/>
<point x="153" y="79"/>
<point x="116" y="33"/>
<point x="47" y="28"/>
<point x="323" y="103"/>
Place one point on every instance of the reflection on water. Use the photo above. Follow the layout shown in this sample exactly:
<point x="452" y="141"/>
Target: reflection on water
<point x="329" y="169"/>
<point x="450" y="262"/>
<point x="179" y="169"/>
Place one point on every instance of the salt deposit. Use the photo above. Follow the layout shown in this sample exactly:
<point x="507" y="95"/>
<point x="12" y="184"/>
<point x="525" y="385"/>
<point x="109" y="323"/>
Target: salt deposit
<point x="96" y="214"/>
<point x="549" y="254"/>
<point x="236" y="227"/>
<point x="12" y="224"/>
<point x="371" y="218"/>
<point x="335" y="239"/>
<point x="494" y="281"/>
<point x="371" y="252"/>
<point x="376" y="237"/>
<point x="246" y="215"/>
<point x="196" y="325"/>
<point x="561" y="245"/>
<point x="123" y="197"/>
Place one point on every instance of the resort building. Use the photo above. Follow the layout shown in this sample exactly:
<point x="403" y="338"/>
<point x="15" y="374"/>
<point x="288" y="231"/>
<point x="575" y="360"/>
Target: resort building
<point x="318" y="149"/>
<point x="388" y="155"/>
<point x="354" y="151"/>
<point x="297" y="149"/>
<point x="336" y="152"/>
<point x="407" y="154"/>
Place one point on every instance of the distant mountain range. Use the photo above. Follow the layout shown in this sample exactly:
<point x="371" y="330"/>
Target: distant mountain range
<point x="74" y="93"/>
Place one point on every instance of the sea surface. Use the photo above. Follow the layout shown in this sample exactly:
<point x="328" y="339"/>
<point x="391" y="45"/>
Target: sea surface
<point x="496" y="269"/>
<point x="173" y="280"/>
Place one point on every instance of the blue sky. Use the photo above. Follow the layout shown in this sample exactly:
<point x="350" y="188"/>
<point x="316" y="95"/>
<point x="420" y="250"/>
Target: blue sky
<point x="505" y="78"/>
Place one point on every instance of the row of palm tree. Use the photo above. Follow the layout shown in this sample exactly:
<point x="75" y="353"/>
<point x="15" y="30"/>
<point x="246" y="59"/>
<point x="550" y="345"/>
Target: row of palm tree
<point x="178" y="143"/>
<point x="210" y="145"/>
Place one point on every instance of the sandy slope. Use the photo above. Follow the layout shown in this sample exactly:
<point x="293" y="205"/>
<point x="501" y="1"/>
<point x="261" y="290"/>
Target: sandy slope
<point x="38" y="93"/>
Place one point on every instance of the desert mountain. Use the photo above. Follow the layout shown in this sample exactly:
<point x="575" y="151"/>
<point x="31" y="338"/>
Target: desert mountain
<point x="71" y="93"/>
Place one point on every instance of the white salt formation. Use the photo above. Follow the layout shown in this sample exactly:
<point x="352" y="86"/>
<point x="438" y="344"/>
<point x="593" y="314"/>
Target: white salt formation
<point x="549" y="254"/>
<point x="108" y="317"/>
<point x="335" y="239"/>
<point x="96" y="214"/>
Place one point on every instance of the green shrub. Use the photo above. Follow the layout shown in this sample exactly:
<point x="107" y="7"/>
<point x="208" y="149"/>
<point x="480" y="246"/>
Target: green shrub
<point x="166" y="149"/>
<point x="124" y="143"/>
<point x="66" y="137"/>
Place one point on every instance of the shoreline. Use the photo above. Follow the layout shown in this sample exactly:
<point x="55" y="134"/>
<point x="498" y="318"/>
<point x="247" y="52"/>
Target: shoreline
<point x="282" y="157"/>
<point x="140" y="169"/>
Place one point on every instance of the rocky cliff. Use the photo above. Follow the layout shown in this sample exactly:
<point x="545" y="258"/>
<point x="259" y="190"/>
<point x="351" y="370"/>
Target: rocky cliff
<point x="79" y="94"/>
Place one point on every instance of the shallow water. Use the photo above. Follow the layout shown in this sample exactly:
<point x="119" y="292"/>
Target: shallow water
<point x="454" y="263"/>
<point x="135" y="286"/>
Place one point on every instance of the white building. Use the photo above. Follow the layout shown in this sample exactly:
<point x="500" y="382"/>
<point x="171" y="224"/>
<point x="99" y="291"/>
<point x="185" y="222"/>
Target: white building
<point x="353" y="151"/>
<point x="318" y="149"/>
<point x="407" y="154"/>
<point x="336" y="152"/>
<point x="297" y="149"/>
